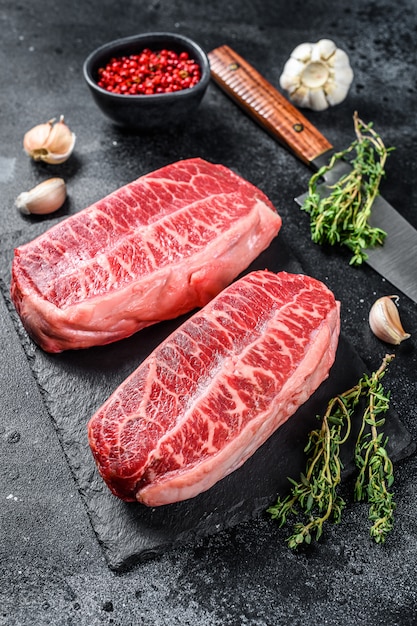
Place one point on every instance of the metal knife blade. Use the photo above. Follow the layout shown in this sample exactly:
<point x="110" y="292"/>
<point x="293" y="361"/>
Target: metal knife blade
<point x="396" y="260"/>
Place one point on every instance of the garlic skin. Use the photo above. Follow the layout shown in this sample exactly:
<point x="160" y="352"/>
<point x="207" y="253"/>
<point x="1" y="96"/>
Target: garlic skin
<point x="385" y="322"/>
<point x="317" y="75"/>
<point x="47" y="197"/>
<point x="51" y="142"/>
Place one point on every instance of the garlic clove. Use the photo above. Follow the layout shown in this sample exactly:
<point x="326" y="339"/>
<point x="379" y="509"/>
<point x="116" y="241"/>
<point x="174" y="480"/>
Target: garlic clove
<point x="323" y="50"/>
<point x="36" y="137"/>
<point x="60" y="143"/>
<point x="340" y="61"/>
<point x="335" y="93"/>
<point x="301" y="97"/>
<point x="292" y="72"/>
<point x="51" y="142"/>
<point x="45" y="198"/>
<point x="289" y="82"/>
<point x="302" y="52"/>
<point x="326" y="48"/>
<point x="384" y="320"/>
<point x="318" y="100"/>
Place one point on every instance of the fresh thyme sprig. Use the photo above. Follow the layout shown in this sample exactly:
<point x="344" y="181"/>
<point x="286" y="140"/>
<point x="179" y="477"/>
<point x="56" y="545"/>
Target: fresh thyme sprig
<point x="342" y="216"/>
<point x="316" y="496"/>
<point x="376" y="475"/>
<point x="316" y="493"/>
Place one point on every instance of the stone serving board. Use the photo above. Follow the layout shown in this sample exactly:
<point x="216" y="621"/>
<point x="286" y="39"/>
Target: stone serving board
<point x="75" y="384"/>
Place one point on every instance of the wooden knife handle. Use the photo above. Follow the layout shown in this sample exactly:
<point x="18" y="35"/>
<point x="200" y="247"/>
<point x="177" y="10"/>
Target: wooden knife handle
<point x="266" y="105"/>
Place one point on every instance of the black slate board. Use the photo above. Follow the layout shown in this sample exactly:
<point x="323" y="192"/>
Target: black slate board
<point x="75" y="384"/>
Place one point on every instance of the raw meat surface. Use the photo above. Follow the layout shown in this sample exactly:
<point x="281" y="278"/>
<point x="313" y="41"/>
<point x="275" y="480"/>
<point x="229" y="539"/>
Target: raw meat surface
<point x="212" y="393"/>
<point x="152" y="250"/>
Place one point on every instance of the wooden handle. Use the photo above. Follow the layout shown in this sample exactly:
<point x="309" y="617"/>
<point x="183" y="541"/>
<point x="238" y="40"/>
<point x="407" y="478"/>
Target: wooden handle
<point x="266" y="105"/>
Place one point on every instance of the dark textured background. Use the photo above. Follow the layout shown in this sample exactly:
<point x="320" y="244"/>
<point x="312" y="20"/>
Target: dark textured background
<point x="51" y="566"/>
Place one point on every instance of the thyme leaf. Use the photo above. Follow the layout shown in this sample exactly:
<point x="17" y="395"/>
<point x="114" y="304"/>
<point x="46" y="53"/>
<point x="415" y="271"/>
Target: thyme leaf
<point x="315" y="496"/>
<point x="342" y="217"/>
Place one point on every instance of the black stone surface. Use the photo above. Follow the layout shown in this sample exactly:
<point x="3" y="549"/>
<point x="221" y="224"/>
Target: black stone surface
<point x="52" y="568"/>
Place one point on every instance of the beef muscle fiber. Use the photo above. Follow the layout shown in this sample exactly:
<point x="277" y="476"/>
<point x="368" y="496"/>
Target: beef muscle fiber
<point x="152" y="250"/>
<point x="212" y="393"/>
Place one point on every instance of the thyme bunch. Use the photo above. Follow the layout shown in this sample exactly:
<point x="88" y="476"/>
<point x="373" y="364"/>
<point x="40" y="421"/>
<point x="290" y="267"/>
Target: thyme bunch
<point x="342" y="216"/>
<point x="315" y="496"/>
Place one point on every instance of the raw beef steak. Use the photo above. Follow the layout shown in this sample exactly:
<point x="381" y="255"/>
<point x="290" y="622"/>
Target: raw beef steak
<point x="216" y="388"/>
<point x="152" y="250"/>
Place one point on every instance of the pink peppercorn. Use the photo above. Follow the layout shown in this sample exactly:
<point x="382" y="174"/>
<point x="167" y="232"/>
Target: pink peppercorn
<point x="149" y="72"/>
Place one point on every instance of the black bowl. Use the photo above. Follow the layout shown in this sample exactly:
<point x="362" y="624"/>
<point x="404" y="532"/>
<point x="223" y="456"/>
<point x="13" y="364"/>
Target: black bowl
<point x="147" y="111"/>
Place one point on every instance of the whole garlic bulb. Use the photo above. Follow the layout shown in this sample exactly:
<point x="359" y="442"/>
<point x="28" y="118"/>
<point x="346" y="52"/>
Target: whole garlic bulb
<point x="317" y="75"/>
<point x="51" y="142"/>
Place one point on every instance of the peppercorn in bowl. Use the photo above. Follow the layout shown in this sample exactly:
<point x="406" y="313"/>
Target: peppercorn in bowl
<point x="148" y="81"/>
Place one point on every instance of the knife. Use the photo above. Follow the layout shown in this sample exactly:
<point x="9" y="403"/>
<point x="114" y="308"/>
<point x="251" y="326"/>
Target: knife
<point x="396" y="259"/>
